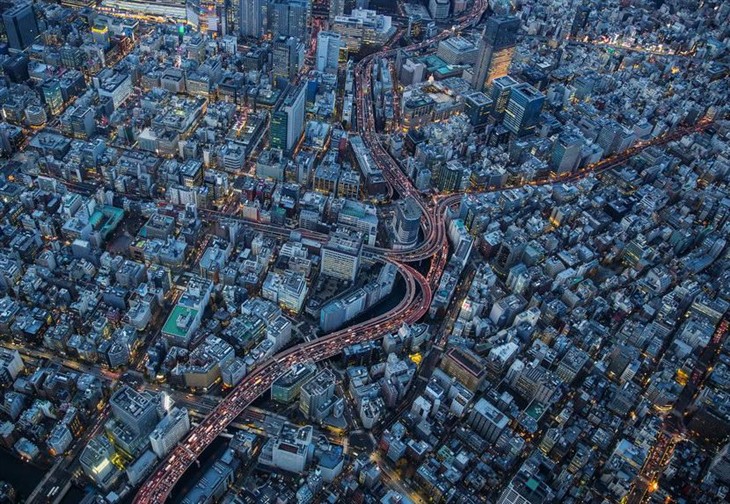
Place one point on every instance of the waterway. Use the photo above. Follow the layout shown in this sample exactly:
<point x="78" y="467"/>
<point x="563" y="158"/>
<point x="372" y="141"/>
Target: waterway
<point x="23" y="476"/>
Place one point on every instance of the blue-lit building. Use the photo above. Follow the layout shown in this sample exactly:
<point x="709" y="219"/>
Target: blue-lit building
<point x="20" y="25"/>
<point x="287" y="123"/>
<point x="523" y="110"/>
<point x="53" y="96"/>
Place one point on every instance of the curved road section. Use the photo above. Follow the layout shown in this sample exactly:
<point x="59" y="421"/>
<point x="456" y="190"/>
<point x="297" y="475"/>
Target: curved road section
<point x="411" y="308"/>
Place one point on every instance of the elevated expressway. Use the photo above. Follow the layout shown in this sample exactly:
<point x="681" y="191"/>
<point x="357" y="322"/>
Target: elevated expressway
<point x="411" y="308"/>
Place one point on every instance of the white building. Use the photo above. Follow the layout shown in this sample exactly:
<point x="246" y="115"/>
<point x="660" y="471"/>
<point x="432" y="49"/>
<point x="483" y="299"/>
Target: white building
<point x="169" y="431"/>
<point x="328" y="51"/>
<point x="11" y="364"/>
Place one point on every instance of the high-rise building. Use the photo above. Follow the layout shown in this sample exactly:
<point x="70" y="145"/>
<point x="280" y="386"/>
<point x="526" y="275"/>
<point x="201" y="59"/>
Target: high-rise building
<point x="579" y="20"/>
<point x="135" y="410"/>
<point x="287" y="56"/>
<point x="337" y="8"/>
<point x="496" y="48"/>
<point x="20" y="26"/>
<point x="286" y="388"/>
<point x="52" y="96"/>
<point x="487" y="420"/>
<point x="477" y="107"/>
<point x="96" y="464"/>
<point x="169" y="431"/>
<point x="251" y="24"/>
<point x="501" y="90"/>
<point x="439" y="9"/>
<point x="340" y="258"/>
<point x="287" y="123"/>
<point x="316" y="397"/>
<point x="523" y="110"/>
<point x="289" y="18"/>
<point x="406" y="221"/>
<point x="566" y="153"/>
<point x="615" y="138"/>
<point x="526" y="489"/>
<point x="328" y="51"/>
<point x="450" y="176"/>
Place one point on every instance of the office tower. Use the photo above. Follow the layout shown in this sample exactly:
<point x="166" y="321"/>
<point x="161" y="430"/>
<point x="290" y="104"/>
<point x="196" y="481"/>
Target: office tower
<point x="337" y="8"/>
<point x="466" y="366"/>
<point x="406" y="221"/>
<point x="287" y="123"/>
<point x="526" y="488"/>
<point x="487" y="420"/>
<point x="500" y="92"/>
<point x="450" y="176"/>
<point x="251" y="18"/>
<point x="566" y="153"/>
<point x="615" y="138"/>
<point x="439" y="9"/>
<point x="52" y="96"/>
<point x="411" y="72"/>
<point x="328" y="51"/>
<point x="289" y="18"/>
<point x="579" y="20"/>
<point x="136" y="411"/>
<point x="287" y="58"/>
<point x="496" y="48"/>
<point x="316" y="397"/>
<point x="477" y="107"/>
<point x="523" y="109"/>
<point x="169" y="431"/>
<point x="340" y="258"/>
<point x="286" y="388"/>
<point x="96" y="464"/>
<point x="20" y="26"/>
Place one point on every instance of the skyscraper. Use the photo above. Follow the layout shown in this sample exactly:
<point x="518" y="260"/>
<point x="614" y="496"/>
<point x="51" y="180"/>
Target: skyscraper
<point x="496" y="48"/>
<point x="523" y="109"/>
<point x="328" y="51"/>
<point x="337" y="8"/>
<point x="565" y="154"/>
<point x="251" y="18"/>
<point x="20" y="26"/>
<point x="288" y="56"/>
<point x="579" y="20"/>
<point x="439" y="9"/>
<point x="287" y="123"/>
<point x="501" y="89"/>
<point x="289" y="18"/>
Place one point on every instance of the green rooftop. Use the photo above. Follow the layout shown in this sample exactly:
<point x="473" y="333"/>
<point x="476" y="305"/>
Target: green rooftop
<point x="171" y="326"/>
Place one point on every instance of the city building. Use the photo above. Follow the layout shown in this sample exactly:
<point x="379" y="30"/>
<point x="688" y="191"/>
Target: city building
<point x="169" y="431"/>
<point x="465" y="366"/>
<point x="21" y="26"/>
<point x="96" y="464"/>
<point x="340" y="257"/>
<point x="289" y="18"/>
<point x="317" y="396"/>
<point x="496" y="47"/>
<point x="135" y="410"/>
<point x="439" y="9"/>
<point x="487" y="420"/>
<point x="251" y="12"/>
<point x="406" y="222"/>
<point x="328" y="51"/>
<point x="523" y="110"/>
<point x="286" y="388"/>
<point x="287" y="123"/>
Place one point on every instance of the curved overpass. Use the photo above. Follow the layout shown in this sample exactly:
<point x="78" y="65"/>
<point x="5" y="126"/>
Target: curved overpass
<point x="411" y="308"/>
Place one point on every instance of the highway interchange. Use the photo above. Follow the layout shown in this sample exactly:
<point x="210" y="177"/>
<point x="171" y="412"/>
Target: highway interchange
<point x="411" y="308"/>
